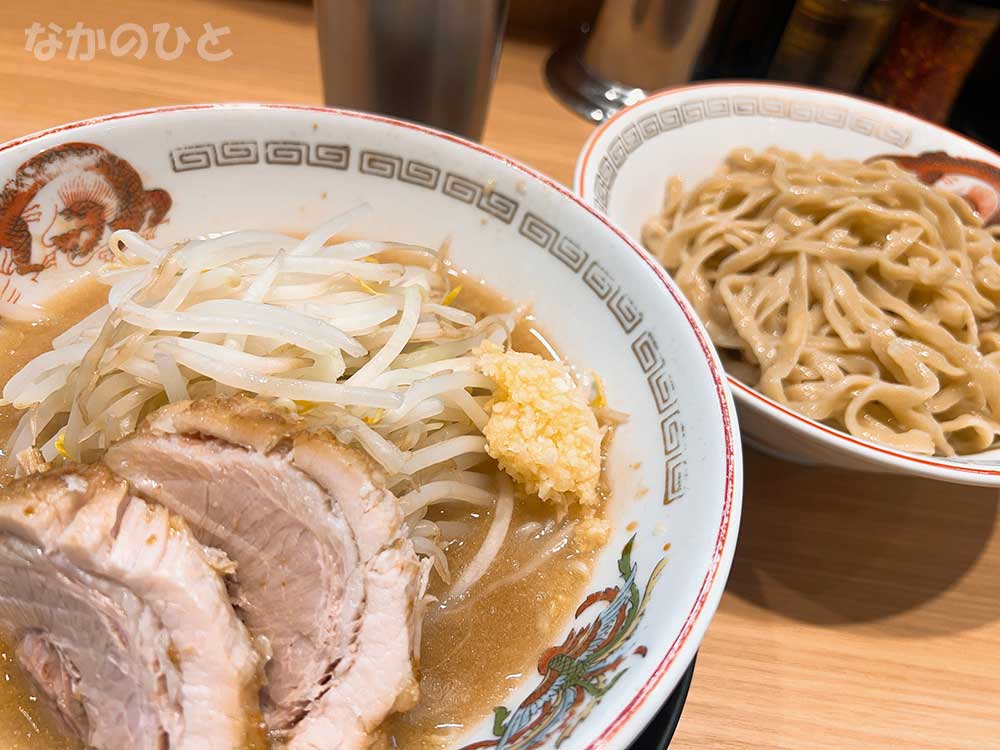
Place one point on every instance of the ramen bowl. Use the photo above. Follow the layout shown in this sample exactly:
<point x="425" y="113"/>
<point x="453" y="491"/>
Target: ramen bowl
<point x="674" y="467"/>
<point x="688" y="131"/>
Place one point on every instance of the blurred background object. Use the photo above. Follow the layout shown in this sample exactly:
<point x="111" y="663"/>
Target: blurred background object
<point x="977" y="109"/>
<point x="634" y="46"/>
<point x="930" y="54"/>
<point x="648" y="44"/>
<point x="431" y="61"/>
<point x="743" y="38"/>
<point x="553" y="20"/>
<point x="832" y="43"/>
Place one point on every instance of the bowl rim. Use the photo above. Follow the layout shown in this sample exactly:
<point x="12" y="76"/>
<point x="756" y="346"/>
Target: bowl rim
<point x="909" y="463"/>
<point x="647" y="700"/>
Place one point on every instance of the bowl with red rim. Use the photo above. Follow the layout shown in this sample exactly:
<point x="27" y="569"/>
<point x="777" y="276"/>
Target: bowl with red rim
<point x="674" y="468"/>
<point x="688" y="131"/>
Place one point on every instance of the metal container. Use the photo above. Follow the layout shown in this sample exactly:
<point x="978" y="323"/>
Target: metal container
<point x="635" y="46"/>
<point x="431" y="61"/>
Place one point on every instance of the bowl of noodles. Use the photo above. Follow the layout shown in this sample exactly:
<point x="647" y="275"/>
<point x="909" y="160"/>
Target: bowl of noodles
<point x="843" y="257"/>
<point x="235" y="312"/>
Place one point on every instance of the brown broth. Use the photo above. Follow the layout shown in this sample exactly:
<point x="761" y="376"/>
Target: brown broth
<point x="473" y="657"/>
<point x="473" y="654"/>
<point x="22" y="342"/>
<point x="477" y="298"/>
<point x="26" y="723"/>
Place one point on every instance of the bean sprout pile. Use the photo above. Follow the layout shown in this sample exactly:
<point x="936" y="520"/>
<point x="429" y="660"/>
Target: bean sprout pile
<point x="355" y="335"/>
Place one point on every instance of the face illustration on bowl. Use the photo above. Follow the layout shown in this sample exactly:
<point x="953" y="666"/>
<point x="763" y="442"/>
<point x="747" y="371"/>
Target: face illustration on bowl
<point x="976" y="181"/>
<point x="61" y="205"/>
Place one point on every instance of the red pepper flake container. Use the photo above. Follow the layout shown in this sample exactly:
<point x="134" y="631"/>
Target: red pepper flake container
<point x="928" y="57"/>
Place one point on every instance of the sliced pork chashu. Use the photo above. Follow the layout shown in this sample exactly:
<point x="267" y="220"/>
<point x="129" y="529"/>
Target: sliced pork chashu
<point x="324" y="571"/>
<point x="120" y="617"/>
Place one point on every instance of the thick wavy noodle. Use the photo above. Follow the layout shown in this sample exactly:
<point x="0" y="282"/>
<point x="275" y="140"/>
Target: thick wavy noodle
<point x="849" y="291"/>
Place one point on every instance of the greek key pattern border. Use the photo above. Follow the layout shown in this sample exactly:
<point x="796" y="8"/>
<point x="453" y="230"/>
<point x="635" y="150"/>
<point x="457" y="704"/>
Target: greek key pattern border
<point x="238" y="152"/>
<point x="696" y="110"/>
<point x="598" y="279"/>
<point x="647" y="353"/>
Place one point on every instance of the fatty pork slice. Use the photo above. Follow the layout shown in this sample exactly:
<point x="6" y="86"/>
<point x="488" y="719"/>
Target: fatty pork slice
<point x="325" y="574"/>
<point x="121" y="619"/>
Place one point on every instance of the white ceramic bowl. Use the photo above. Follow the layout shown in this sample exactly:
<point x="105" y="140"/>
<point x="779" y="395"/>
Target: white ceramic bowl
<point x="687" y="131"/>
<point x="211" y="168"/>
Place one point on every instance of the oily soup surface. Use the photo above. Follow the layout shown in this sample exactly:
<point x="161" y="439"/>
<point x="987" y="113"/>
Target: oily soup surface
<point x="471" y="656"/>
<point x="25" y="722"/>
<point x="473" y="652"/>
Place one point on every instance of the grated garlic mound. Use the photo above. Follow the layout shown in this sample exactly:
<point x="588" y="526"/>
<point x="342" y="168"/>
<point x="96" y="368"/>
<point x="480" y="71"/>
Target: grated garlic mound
<point x="541" y="429"/>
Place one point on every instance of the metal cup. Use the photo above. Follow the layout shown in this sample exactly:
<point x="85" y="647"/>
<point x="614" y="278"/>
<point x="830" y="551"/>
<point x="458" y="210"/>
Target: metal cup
<point x="634" y="47"/>
<point x="432" y="61"/>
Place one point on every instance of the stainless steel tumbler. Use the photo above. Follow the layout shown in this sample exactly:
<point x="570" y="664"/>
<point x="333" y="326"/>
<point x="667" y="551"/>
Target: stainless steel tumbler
<point x="634" y="47"/>
<point x="432" y="61"/>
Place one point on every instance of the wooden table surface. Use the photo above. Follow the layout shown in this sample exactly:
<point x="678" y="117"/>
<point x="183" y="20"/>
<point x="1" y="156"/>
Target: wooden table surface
<point x="862" y="611"/>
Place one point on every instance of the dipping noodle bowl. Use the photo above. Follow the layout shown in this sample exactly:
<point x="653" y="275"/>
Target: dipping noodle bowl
<point x="843" y="257"/>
